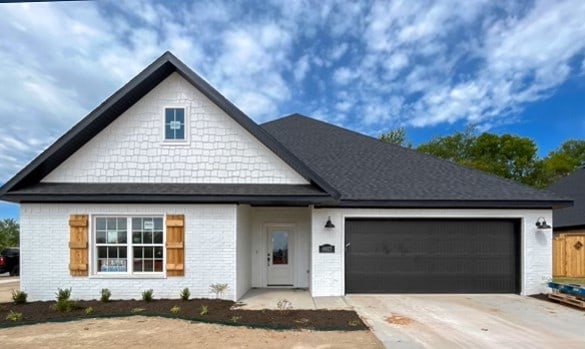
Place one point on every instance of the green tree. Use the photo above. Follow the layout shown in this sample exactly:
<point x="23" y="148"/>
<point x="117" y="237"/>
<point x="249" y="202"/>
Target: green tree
<point x="9" y="233"/>
<point x="563" y="161"/>
<point x="506" y="155"/>
<point x="396" y="136"/>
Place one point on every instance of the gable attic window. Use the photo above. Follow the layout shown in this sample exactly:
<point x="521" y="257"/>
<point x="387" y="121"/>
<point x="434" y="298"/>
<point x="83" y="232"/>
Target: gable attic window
<point x="174" y="124"/>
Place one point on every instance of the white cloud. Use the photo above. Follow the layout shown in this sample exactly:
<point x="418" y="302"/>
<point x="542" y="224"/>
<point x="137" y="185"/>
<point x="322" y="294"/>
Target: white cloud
<point x="302" y="67"/>
<point x="523" y="60"/>
<point x="371" y="63"/>
<point x="344" y="75"/>
<point x="338" y="51"/>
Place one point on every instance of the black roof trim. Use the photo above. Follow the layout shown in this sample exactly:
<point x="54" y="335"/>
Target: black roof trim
<point x="568" y="228"/>
<point x="123" y="99"/>
<point x="267" y="200"/>
<point x="257" y="194"/>
<point x="466" y="204"/>
<point x="192" y="189"/>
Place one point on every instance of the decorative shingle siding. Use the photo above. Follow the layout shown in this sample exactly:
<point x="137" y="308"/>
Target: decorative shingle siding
<point x="328" y="269"/>
<point x="210" y="252"/>
<point x="132" y="150"/>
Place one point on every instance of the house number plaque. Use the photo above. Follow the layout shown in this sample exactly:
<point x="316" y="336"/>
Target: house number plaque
<point x="326" y="248"/>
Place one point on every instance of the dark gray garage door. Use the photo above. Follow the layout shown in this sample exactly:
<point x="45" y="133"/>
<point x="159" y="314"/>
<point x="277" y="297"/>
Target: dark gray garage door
<point x="432" y="256"/>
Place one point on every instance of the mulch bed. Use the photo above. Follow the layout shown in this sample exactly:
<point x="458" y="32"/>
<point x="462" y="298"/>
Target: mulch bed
<point x="218" y="311"/>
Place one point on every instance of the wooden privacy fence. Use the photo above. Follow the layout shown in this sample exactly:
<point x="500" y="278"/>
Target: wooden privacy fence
<point x="569" y="255"/>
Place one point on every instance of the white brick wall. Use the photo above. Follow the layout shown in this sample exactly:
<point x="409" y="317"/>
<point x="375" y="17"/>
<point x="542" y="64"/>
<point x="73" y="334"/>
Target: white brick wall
<point x="327" y="277"/>
<point x="131" y="149"/>
<point x="243" y="260"/>
<point x="210" y="252"/>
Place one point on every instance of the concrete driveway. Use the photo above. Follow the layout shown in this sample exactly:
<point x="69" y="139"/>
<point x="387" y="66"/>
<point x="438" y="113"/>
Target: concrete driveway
<point x="7" y="284"/>
<point x="470" y="321"/>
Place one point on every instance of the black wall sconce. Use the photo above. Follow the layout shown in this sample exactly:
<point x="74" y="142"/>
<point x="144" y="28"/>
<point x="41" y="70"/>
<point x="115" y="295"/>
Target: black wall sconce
<point x="541" y="223"/>
<point x="329" y="224"/>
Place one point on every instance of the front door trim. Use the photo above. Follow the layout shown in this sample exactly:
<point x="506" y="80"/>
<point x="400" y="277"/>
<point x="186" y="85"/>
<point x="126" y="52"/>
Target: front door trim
<point x="279" y="280"/>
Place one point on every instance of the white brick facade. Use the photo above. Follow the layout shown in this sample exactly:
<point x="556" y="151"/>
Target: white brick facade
<point x="244" y="249"/>
<point x="131" y="149"/>
<point x="327" y="269"/>
<point x="210" y="252"/>
<point x="225" y="244"/>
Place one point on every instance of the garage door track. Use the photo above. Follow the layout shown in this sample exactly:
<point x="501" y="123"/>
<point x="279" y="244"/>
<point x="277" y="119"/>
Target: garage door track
<point x="470" y="321"/>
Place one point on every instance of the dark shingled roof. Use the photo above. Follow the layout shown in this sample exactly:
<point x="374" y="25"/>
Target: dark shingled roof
<point x="171" y="192"/>
<point x="572" y="186"/>
<point x="344" y="168"/>
<point x="369" y="172"/>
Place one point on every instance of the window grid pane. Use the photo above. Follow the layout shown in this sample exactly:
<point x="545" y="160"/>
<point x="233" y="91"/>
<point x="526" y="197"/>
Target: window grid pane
<point x="146" y="244"/>
<point x="148" y="252"/>
<point x="111" y="236"/>
<point x="174" y="123"/>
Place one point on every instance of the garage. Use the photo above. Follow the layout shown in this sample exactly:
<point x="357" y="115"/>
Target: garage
<point x="432" y="256"/>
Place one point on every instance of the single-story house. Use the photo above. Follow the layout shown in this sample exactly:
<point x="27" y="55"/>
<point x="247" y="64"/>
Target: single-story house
<point x="569" y="227"/>
<point x="167" y="185"/>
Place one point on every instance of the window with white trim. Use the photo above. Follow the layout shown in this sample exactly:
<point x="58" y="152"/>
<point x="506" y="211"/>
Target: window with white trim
<point x="175" y="124"/>
<point x="129" y="245"/>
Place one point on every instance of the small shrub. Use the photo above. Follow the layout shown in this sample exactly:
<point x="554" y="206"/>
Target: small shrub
<point x="203" y="311"/>
<point x="137" y="310"/>
<point x="14" y="316"/>
<point x="19" y="297"/>
<point x="218" y="289"/>
<point x="63" y="294"/>
<point x="106" y="294"/>
<point x="88" y="311"/>
<point x="185" y="294"/>
<point x="175" y="310"/>
<point x="65" y="306"/>
<point x="235" y="319"/>
<point x="147" y="295"/>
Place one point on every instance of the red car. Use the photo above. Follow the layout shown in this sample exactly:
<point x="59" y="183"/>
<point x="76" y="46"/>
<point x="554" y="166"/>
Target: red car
<point x="10" y="261"/>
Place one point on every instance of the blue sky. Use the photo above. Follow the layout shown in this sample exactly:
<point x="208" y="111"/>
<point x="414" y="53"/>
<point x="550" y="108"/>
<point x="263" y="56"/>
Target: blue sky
<point x="432" y="67"/>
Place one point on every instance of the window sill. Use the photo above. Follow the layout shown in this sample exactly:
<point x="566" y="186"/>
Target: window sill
<point x="175" y="143"/>
<point x="128" y="276"/>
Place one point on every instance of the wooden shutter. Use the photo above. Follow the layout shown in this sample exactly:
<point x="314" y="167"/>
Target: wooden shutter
<point x="78" y="232"/>
<point x="175" y="245"/>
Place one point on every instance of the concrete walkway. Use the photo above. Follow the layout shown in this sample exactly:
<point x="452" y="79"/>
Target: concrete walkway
<point x="470" y="321"/>
<point x="268" y="298"/>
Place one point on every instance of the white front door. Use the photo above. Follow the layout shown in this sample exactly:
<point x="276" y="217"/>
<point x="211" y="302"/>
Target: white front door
<point x="280" y="270"/>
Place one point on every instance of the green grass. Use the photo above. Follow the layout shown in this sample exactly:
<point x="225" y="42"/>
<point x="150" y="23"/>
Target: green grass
<point x="563" y="280"/>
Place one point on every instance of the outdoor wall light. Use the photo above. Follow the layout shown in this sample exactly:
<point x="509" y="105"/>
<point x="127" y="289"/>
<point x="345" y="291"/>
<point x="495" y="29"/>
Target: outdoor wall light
<point x="329" y="224"/>
<point x="541" y="223"/>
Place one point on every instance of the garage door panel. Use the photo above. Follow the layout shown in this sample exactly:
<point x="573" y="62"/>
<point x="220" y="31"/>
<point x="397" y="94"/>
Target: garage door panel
<point x="432" y="256"/>
<point x="423" y="283"/>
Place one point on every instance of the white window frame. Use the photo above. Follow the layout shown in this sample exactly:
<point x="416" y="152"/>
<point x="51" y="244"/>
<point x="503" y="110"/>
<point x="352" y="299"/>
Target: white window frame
<point x="184" y="141"/>
<point x="129" y="273"/>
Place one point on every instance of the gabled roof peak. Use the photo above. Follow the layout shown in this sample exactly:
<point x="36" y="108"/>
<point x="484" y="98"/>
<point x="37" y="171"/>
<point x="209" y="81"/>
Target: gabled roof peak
<point x="128" y="95"/>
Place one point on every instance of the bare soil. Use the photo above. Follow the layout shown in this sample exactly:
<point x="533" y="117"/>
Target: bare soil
<point x="218" y="311"/>
<point x="139" y="332"/>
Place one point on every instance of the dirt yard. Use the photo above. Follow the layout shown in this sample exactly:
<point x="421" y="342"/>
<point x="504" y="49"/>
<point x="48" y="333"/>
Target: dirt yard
<point x="147" y="332"/>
